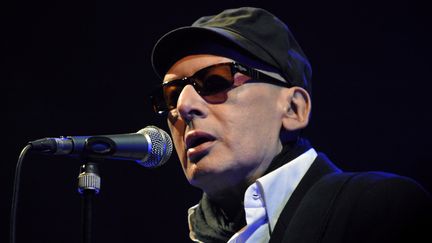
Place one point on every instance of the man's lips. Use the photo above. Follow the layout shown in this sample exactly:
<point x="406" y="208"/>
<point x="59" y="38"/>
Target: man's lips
<point x="197" y="144"/>
<point x="196" y="138"/>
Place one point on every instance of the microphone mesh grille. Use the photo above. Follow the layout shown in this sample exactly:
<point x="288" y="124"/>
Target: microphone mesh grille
<point x="161" y="147"/>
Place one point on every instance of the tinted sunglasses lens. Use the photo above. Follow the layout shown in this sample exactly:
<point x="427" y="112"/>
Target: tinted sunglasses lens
<point x="208" y="82"/>
<point x="171" y="93"/>
<point x="158" y="102"/>
<point x="214" y="79"/>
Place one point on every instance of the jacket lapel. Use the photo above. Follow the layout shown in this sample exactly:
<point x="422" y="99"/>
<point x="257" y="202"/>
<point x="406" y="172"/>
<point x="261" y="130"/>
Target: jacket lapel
<point x="321" y="166"/>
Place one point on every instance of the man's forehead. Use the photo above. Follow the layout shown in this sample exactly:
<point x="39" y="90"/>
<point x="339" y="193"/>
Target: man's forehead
<point x="188" y="65"/>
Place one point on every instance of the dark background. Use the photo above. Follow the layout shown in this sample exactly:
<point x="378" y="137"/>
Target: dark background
<point x="83" y="68"/>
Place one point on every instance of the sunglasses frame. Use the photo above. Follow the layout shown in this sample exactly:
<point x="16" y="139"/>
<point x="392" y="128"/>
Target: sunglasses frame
<point x="235" y="67"/>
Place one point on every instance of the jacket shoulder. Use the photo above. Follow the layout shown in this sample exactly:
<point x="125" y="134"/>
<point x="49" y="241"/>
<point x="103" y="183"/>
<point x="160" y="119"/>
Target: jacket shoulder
<point x="379" y="180"/>
<point x="381" y="207"/>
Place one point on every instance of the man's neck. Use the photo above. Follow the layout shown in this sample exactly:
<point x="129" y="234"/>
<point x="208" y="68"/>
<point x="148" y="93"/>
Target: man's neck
<point x="230" y="202"/>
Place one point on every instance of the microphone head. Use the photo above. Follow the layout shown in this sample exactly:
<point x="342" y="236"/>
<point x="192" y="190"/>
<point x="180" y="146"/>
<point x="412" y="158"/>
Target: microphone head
<point x="160" y="147"/>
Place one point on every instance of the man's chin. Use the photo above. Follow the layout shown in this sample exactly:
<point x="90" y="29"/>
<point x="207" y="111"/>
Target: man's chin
<point x="208" y="178"/>
<point x="197" y="175"/>
<point x="196" y="158"/>
<point x="201" y="177"/>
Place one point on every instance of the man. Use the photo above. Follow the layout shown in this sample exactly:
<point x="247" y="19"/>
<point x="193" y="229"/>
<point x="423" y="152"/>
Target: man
<point x="236" y="93"/>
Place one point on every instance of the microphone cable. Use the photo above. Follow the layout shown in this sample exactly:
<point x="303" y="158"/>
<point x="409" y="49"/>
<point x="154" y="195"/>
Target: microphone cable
<point x="16" y="193"/>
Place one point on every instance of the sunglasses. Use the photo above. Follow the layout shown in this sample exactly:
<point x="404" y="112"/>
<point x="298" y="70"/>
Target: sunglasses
<point x="211" y="82"/>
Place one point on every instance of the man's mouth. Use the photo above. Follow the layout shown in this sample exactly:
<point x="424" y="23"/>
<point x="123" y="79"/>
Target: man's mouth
<point x="196" y="138"/>
<point x="197" y="144"/>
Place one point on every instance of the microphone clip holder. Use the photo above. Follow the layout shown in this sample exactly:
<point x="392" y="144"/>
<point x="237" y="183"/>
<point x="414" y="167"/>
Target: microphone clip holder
<point x="88" y="186"/>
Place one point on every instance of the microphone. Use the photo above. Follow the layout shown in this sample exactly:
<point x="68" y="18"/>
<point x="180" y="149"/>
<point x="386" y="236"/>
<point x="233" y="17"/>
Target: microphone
<point x="150" y="147"/>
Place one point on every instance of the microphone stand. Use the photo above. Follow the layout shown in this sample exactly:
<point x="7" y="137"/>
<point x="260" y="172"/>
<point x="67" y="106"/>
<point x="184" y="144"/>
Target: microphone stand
<point x="88" y="187"/>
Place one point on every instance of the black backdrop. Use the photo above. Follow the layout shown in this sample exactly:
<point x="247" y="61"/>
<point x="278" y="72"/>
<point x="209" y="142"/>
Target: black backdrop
<point x="83" y="67"/>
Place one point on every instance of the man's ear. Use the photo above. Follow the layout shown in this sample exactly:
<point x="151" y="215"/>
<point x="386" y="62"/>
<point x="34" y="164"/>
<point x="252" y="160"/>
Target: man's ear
<point x="297" y="108"/>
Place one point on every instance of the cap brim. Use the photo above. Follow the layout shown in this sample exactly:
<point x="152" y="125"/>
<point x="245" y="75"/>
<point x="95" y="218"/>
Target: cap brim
<point x="177" y="43"/>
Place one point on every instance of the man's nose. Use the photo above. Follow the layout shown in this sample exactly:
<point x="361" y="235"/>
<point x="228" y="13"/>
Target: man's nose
<point x="190" y="104"/>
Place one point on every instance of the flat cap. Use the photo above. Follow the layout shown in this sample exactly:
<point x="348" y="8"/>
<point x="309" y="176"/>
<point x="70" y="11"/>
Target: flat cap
<point x="254" y="31"/>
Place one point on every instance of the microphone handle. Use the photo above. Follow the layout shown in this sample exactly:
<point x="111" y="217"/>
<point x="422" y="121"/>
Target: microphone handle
<point x="133" y="146"/>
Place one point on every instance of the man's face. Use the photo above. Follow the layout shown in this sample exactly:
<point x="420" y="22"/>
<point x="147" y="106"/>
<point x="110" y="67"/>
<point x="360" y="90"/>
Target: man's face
<point x="226" y="145"/>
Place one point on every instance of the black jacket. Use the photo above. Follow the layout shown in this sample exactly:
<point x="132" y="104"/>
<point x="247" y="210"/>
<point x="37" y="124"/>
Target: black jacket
<point x="330" y="206"/>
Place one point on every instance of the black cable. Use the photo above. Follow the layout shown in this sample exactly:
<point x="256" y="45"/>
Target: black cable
<point x="16" y="193"/>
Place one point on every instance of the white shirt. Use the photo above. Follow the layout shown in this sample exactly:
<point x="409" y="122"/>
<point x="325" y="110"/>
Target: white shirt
<point x="265" y="199"/>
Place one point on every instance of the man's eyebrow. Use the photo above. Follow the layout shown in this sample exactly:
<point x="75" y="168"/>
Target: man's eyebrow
<point x="172" y="78"/>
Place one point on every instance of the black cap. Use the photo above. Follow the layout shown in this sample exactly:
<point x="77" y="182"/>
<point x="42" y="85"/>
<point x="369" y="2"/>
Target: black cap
<point x="253" y="31"/>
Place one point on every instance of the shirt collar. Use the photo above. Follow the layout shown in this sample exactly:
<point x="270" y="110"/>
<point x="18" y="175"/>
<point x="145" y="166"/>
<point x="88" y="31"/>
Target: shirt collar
<point x="278" y="185"/>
